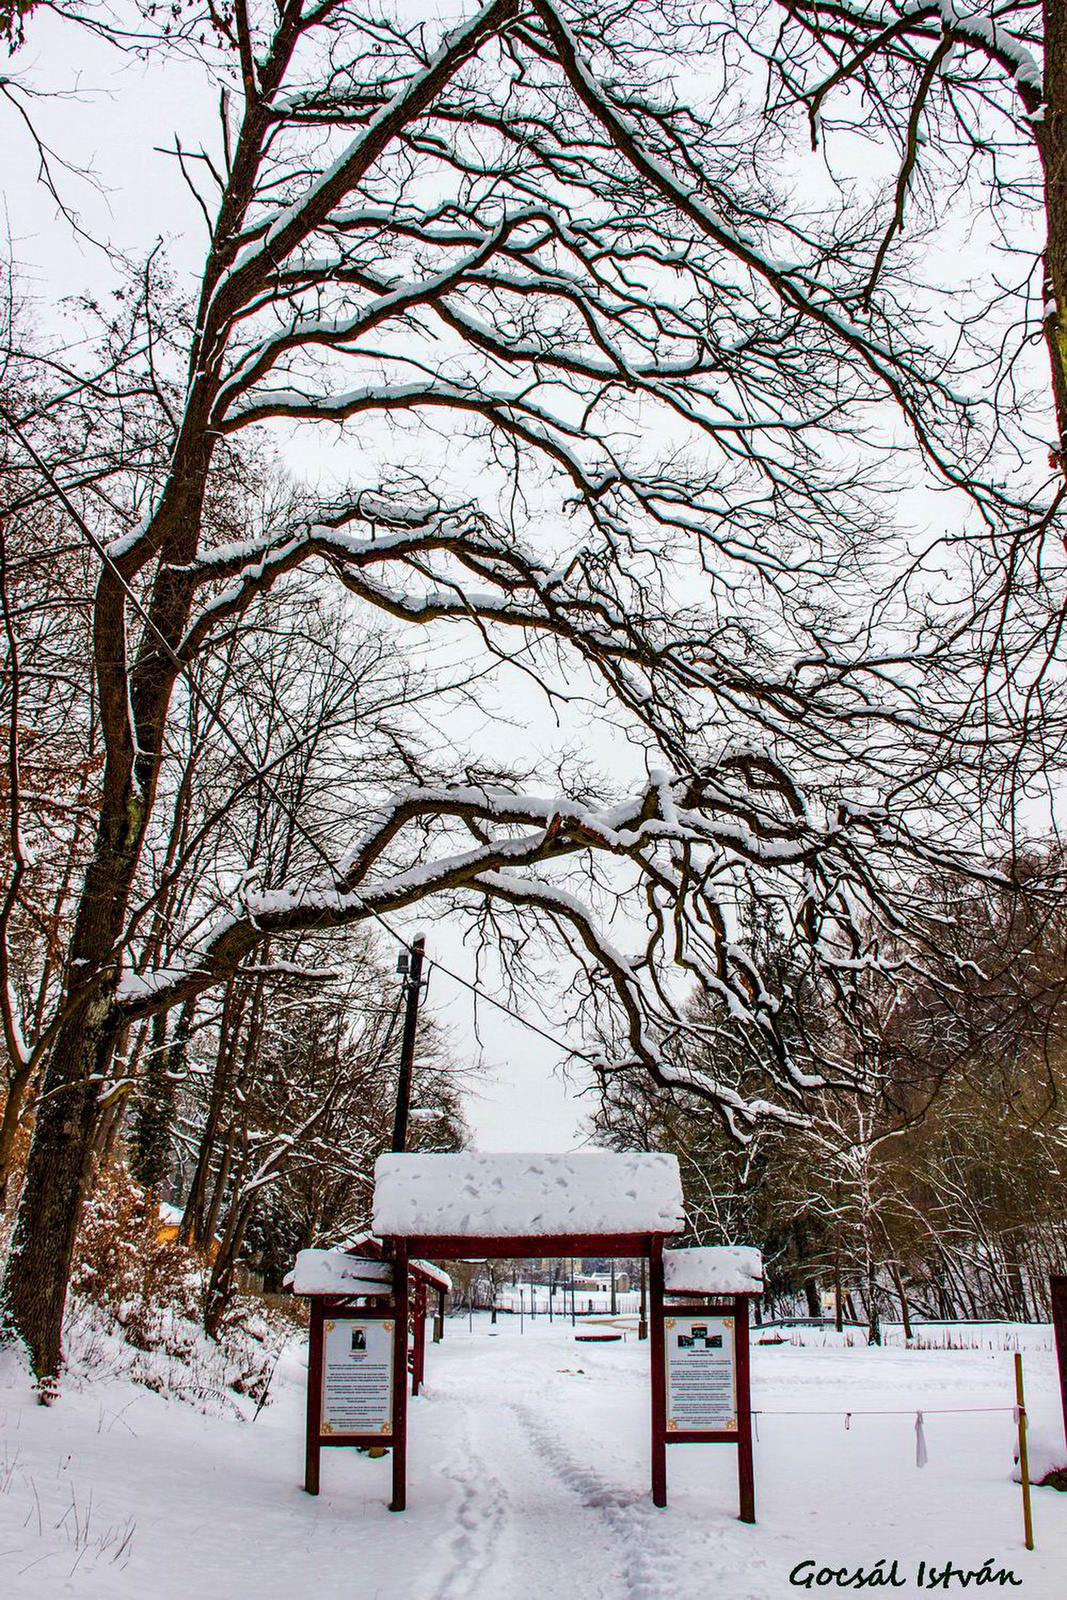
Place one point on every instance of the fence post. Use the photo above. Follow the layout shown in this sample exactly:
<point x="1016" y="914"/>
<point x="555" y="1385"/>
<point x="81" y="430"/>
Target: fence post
<point x="1024" y="1464"/>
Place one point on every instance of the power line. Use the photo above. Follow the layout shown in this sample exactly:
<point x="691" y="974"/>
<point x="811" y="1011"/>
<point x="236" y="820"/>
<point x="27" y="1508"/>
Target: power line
<point x="216" y="717"/>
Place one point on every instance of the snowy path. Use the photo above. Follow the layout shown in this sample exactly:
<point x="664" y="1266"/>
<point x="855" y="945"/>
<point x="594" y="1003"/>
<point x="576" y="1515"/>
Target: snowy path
<point x="528" y="1481"/>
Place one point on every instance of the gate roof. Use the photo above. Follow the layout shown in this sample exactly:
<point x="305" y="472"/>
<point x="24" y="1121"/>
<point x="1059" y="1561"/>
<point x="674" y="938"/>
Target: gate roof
<point x="592" y="1202"/>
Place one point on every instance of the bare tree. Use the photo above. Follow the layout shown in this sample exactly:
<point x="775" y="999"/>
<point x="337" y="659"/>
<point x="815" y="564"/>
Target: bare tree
<point x="960" y="92"/>
<point x="647" y="362"/>
<point x="941" y="1187"/>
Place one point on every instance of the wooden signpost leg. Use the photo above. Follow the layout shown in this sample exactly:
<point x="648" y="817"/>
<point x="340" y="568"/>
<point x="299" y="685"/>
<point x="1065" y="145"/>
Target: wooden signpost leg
<point x="439" y="1319"/>
<point x="400" y="1378"/>
<point x="418" y="1365"/>
<point x="746" y="1483"/>
<point x="314" y="1402"/>
<point x="657" y="1354"/>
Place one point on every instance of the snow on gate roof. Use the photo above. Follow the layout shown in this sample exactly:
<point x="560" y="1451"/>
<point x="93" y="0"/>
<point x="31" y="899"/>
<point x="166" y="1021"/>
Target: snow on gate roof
<point x="713" y="1269"/>
<point x="340" y="1272"/>
<point x="472" y="1195"/>
<point x="337" y="1272"/>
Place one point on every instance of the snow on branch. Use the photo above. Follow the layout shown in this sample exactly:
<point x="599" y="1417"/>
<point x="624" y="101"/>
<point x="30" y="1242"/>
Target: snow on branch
<point x="683" y="835"/>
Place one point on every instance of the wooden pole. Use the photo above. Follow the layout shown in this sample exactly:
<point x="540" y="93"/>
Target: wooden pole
<point x="439" y="1318"/>
<point x="400" y="1377"/>
<point x="746" y="1481"/>
<point x="658" y="1360"/>
<point x="314" y="1402"/>
<point x="1024" y="1464"/>
<point x="407" y="1044"/>
<point x="642" y="1321"/>
<point x="418" y="1365"/>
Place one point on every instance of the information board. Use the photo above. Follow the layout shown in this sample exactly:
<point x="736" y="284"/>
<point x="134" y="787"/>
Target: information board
<point x="357" y="1375"/>
<point x="701" y="1374"/>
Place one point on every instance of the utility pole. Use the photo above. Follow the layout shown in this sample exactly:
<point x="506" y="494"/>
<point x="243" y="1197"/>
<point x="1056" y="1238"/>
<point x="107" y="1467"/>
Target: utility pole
<point x="413" y="970"/>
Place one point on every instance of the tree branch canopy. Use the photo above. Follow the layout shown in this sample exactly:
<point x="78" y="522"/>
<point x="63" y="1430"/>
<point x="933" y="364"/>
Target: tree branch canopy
<point x="625" y="405"/>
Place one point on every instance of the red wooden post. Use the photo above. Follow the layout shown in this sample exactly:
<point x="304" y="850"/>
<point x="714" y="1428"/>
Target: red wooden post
<point x="1058" y="1292"/>
<point x="746" y="1483"/>
<point x="314" y="1405"/>
<point x="658" y="1357"/>
<point x="400" y="1376"/>
<point x="439" y="1319"/>
<point x="418" y="1365"/>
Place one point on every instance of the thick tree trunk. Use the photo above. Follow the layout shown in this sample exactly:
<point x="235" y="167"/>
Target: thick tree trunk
<point x="35" y="1285"/>
<point x="34" y="1291"/>
<point x="1051" y="135"/>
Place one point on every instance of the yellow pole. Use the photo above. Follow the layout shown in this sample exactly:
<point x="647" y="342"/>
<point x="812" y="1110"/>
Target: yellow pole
<point x="1024" y="1464"/>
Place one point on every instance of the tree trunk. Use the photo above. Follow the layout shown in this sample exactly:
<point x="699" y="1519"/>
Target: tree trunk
<point x="904" y="1311"/>
<point x="211" y="1215"/>
<point x="220" y="1289"/>
<point x="874" y="1324"/>
<point x="35" y="1284"/>
<point x="9" y="1125"/>
<point x="1051" y="135"/>
<point x="150" y="1155"/>
<point x="839" y="1320"/>
<point x="193" y="1222"/>
<point x="1020" y="1310"/>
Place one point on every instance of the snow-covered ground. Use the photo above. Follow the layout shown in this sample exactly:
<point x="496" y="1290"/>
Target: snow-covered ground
<point x="529" y="1481"/>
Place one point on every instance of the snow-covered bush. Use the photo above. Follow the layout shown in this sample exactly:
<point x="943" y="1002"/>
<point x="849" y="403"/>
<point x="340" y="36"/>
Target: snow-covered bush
<point x="122" y="1268"/>
<point x="136" y="1309"/>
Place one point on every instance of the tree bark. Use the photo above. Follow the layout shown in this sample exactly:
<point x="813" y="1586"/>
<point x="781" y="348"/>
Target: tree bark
<point x="220" y="1288"/>
<point x="902" y="1297"/>
<point x="35" y="1286"/>
<point x="839" y="1321"/>
<point x="874" y="1324"/>
<point x="1051" y="135"/>
<point x="193" y="1222"/>
<point x="9" y="1125"/>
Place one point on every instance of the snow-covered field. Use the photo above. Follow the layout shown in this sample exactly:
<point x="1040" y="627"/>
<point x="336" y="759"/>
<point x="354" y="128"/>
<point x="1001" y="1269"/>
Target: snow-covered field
<point x="529" y="1481"/>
